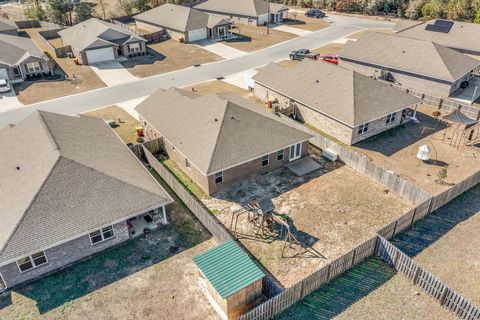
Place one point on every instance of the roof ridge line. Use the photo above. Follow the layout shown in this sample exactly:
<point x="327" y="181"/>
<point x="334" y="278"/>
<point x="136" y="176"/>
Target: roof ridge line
<point x="48" y="131"/>
<point x="227" y="102"/>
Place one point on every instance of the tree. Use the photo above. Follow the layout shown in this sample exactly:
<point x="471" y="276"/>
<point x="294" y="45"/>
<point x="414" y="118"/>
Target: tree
<point x="101" y="3"/>
<point x="414" y="9"/>
<point x="34" y="11"/>
<point x="442" y="175"/>
<point x="127" y="6"/>
<point x="83" y="11"/>
<point x="459" y="10"/>
<point x="477" y="17"/>
<point x="433" y="9"/>
<point x="59" y="11"/>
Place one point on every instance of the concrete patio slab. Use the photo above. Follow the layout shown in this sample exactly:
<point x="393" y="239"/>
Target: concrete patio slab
<point x="289" y="29"/>
<point x="220" y="49"/>
<point x="130" y="105"/>
<point x="9" y="101"/>
<point x="303" y="166"/>
<point x="112" y="73"/>
<point x="469" y="94"/>
<point x="241" y="79"/>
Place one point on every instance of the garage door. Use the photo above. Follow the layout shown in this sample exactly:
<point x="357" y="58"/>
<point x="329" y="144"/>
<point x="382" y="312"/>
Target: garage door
<point x="100" y="55"/>
<point x="196" y="35"/>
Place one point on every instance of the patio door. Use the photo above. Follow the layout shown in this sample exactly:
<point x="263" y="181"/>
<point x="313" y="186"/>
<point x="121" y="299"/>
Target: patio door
<point x="295" y="151"/>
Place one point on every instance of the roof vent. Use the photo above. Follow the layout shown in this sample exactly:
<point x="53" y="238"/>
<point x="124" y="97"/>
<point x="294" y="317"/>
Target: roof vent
<point x="216" y="119"/>
<point x="17" y="168"/>
<point x="318" y="81"/>
<point x="403" y="51"/>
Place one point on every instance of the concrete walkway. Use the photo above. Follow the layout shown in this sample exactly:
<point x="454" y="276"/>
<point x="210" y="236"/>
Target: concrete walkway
<point x="220" y="49"/>
<point x="9" y="101"/>
<point x="112" y="73"/>
<point x="293" y="30"/>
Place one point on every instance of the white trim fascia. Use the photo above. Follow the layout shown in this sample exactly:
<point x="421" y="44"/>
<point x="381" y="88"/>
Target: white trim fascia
<point x="34" y="266"/>
<point x="5" y="283"/>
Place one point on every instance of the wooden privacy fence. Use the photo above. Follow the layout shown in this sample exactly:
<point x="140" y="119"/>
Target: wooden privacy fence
<point x="364" y="165"/>
<point x="299" y="290"/>
<point x="446" y="296"/>
<point x="44" y="36"/>
<point x="455" y="191"/>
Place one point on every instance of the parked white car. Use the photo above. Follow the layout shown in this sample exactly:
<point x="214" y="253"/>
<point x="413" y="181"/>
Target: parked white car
<point x="4" y="85"/>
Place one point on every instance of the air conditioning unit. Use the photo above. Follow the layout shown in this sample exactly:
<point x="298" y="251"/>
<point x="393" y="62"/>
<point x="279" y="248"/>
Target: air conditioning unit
<point x="330" y="155"/>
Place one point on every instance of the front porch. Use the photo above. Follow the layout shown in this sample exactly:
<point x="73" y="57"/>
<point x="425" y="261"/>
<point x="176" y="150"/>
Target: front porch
<point x="220" y="32"/>
<point x="146" y="222"/>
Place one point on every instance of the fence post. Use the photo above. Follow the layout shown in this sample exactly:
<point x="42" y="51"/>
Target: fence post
<point x="445" y="292"/>
<point x="413" y="216"/>
<point x="394" y="228"/>
<point x="328" y="272"/>
<point x="417" y="274"/>
<point x="353" y="257"/>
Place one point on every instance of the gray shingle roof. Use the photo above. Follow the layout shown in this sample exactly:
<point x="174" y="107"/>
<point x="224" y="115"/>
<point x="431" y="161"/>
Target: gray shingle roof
<point x="218" y="131"/>
<point x="7" y="24"/>
<point x="336" y="92"/>
<point x="249" y="8"/>
<point x="175" y="17"/>
<point x="461" y="35"/>
<point x="94" y="33"/>
<point x="14" y="49"/>
<point x="413" y="55"/>
<point x="64" y="176"/>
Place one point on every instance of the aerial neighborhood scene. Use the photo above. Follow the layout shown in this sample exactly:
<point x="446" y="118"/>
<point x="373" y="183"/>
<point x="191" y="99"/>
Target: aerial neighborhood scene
<point x="240" y="159"/>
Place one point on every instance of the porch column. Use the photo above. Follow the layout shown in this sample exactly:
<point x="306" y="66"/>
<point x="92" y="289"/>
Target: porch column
<point x="164" y="215"/>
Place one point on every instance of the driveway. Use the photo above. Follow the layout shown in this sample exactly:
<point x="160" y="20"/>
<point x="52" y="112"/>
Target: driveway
<point x="293" y="30"/>
<point x="220" y="49"/>
<point x="9" y="101"/>
<point x="112" y="73"/>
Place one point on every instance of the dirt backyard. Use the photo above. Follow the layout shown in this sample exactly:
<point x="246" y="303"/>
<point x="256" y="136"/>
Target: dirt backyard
<point x="329" y="211"/>
<point x="35" y="91"/>
<point x="152" y="278"/>
<point x="397" y="149"/>
<point x="125" y="124"/>
<point x="168" y="56"/>
<point x="253" y="38"/>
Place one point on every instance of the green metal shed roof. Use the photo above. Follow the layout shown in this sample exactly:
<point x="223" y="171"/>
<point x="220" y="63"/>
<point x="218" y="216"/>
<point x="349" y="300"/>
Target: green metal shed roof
<point x="228" y="268"/>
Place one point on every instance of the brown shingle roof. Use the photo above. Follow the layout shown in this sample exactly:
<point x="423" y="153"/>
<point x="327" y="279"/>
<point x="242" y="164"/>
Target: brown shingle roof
<point x="249" y="8"/>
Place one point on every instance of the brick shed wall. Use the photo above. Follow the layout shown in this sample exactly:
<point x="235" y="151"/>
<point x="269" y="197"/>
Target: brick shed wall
<point x="63" y="255"/>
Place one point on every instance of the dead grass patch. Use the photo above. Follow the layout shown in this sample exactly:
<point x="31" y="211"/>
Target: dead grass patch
<point x="254" y="38"/>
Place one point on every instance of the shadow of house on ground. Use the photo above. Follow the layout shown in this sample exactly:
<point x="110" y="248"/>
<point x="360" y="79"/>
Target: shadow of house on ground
<point x="184" y="231"/>
<point x="148" y="59"/>
<point x="336" y="296"/>
<point x="5" y="299"/>
<point x="431" y="228"/>
<point x="392" y="141"/>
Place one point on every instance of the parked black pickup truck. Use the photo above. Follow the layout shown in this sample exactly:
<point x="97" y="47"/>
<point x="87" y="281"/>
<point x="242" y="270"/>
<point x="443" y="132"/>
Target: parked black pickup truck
<point x="302" y="54"/>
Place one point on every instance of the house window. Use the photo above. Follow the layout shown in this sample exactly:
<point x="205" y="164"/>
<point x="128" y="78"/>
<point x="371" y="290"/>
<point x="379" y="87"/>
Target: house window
<point x="265" y="160"/>
<point x="363" y="128"/>
<point x="391" y="118"/>
<point x="134" y="47"/>
<point x="102" y="235"/>
<point x="219" y="177"/>
<point x="16" y="71"/>
<point x="31" y="262"/>
<point x="33" y="66"/>
<point x="280" y="155"/>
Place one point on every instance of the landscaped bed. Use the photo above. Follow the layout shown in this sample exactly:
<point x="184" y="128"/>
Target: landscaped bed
<point x="252" y="38"/>
<point x="330" y="211"/>
<point x="125" y="124"/>
<point x="154" y="278"/>
<point x="85" y="79"/>
<point x="168" y="56"/>
<point x="397" y="149"/>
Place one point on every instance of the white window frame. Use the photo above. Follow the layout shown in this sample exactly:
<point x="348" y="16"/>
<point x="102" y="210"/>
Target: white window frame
<point x="32" y="261"/>
<point x="263" y="158"/>
<point x="217" y="175"/>
<point x="101" y="234"/>
<point x="363" y="128"/>
<point x="32" y="67"/>
<point x="282" y="153"/>
<point x="4" y="283"/>
<point x="134" y="47"/>
<point x="295" y="151"/>
<point x="391" y="118"/>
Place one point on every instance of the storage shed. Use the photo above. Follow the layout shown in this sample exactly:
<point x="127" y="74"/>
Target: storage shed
<point x="231" y="280"/>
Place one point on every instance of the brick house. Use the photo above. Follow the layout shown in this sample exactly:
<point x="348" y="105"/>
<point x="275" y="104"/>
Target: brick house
<point x="219" y="139"/>
<point x="20" y="58"/>
<point x="74" y="189"/>
<point x="344" y="104"/>
<point x="245" y="11"/>
<point x="95" y="40"/>
<point x="421" y="65"/>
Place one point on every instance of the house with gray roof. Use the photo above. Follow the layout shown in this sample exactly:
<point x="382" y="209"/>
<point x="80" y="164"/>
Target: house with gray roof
<point x="424" y="66"/>
<point x="245" y="11"/>
<point x="69" y="188"/>
<point x="219" y="139"/>
<point x="183" y="23"/>
<point x="344" y="104"/>
<point x="94" y="40"/>
<point x="456" y="35"/>
<point x="8" y="26"/>
<point x="20" y="58"/>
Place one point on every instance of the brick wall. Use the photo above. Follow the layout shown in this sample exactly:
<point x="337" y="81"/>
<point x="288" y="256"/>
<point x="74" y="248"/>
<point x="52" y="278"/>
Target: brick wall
<point x="376" y="127"/>
<point x="63" y="255"/>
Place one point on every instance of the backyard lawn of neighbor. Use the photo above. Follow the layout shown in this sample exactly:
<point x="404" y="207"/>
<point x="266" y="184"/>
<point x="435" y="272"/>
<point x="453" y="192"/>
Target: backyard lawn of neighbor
<point x="35" y="91"/>
<point x="253" y="38"/>
<point x="330" y="211"/>
<point x="145" y="278"/>
<point x="168" y="56"/>
<point x="125" y="124"/>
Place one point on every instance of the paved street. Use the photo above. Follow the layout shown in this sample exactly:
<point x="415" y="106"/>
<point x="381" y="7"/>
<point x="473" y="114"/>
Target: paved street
<point x="83" y="102"/>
